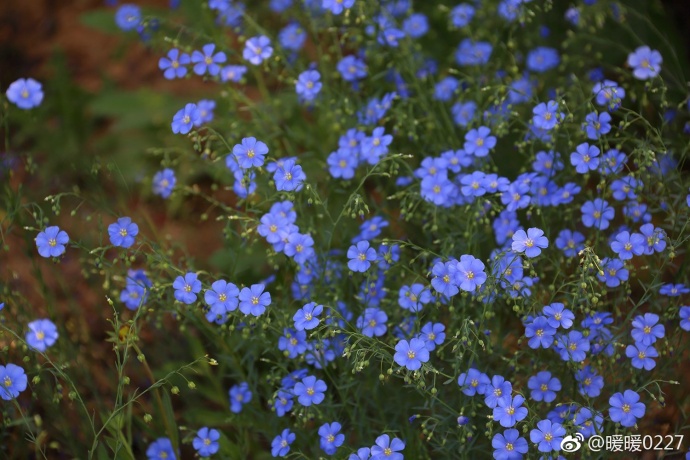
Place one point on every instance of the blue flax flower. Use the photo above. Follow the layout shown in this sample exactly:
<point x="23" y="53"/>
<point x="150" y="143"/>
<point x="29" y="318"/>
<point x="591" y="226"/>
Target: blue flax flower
<point x="185" y="119"/>
<point x="42" y="334"/>
<point x="25" y="93"/>
<point x="626" y="408"/>
<point x="337" y="6"/>
<point x="307" y="317"/>
<point x="308" y="84"/>
<point x="239" y="396"/>
<point x="280" y="446"/>
<point x="597" y="124"/>
<point x="573" y="347"/>
<point x="173" y="65"/>
<point x="128" y="17"/>
<point x="310" y="391"/>
<point x="352" y="68"/>
<point x="547" y="436"/>
<point x="597" y="214"/>
<point x="186" y="288"/>
<point x="546" y="115"/>
<point x="585" y="158"/>
<point x="509" y="445"/>
<point x="257" y="49"/>
<point x="221" y="299"/>
<point x="540" y="333"/>
<point x="164" y="182"/>
<point x="373" y="322"/>
<point x="469" y="273"/>
<point x="289" y="177"/>
<point x="13" y="381"/>
<point x="510" y="411"/>
<point x="531" y="243"/>
<point x="646" y="63"/>
<point x="543" y="386"/>
<point x="498" y="390"/>
<point x="473" y="382"/>
<point x="641" y="356"/>
<point x="479" y="141"/>
<point x="387" y="449"/>
<point x="331" y="437"/>
<point x="361" y="256"/>
<point x="122" y="232"/>
<point x="206" y="441"/>
<point x="627" y="245"/>
<point x="589" y="383"/>
<point x="161" y="448"/>
<point x="208" y="61"/>
<point x="250" y="152"/>
<point x="411" y="354"/>
<point x="51" y="242"/>
<point x="432" y="334"/>
<point x="558" y="316"/>
<point x="646" y="329"/>
<point x="253" y="301"/>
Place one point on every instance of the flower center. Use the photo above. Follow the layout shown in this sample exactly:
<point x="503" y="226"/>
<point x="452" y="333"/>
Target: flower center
<point x="497" y="392"/>
<point x="209" y="60"/>
<point x="308" y="316"/>
<point x="25" y="93"/>
<point x="596" y="214"/>
<point x="40" y="335"/>
<point x="509" y="446"/>
<point x="255" y="300"/>
<point x="250" y="153"/>
<point x="207" y="441"/>
<point x="376" y="142"/>
<point x="529" y="243"/>
<point x="7" y="382"/>
<point x="288" y="176"/>
<point x="310" y="391"/>
<point x="330" y="438"/>
<point x="283" y="443"/>
<point x="372" y="322"/>
<point x="293" y="342"/>
<point x="544" y="387"/>
<point x="387" y="451"/>
<point x="432" y="336"/>
<point x="446" y="278"/>
<point x="273" y="228"/>
<point x="186" y="119"/>
<point x="626" y="408"/>
<point x="548" y="437"/>
<point x="309" y="85"/>
<point x="480" y="142"/>
<point x="547" y="116"/>
<point x="647" y="329"/>
<point x="628" y="246"/>
<point x="540" y="332"/>
<point x="123" y="232"/>
<point x="174" y="64"/>
<point x="187" y="288"/>
<point x="342" y="163"/>
<point x="586" y="158"/>
<point x="641" y="355"/>
<point x="362" y="256"/>
<point x="222" y="297"/>
<point x="573" y="346"/>
<point x="410" y="354"/>
<point x="474" y="383"/>
<point x="299" y="248"/>
<point x="52" y="242"/>
<point x="510" y="410"/>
